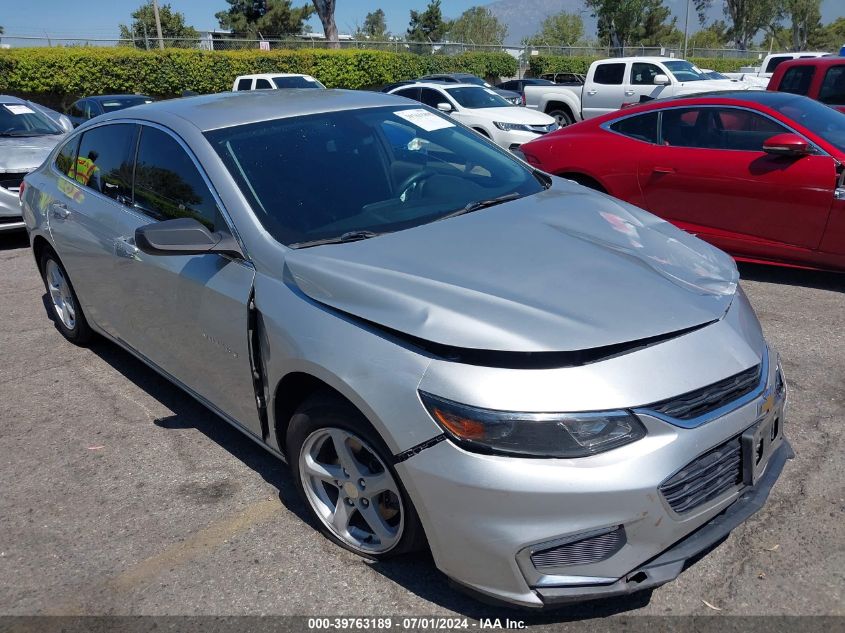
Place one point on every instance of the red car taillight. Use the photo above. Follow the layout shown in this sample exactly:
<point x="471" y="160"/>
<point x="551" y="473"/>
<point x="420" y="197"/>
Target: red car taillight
<point x="21" y="190"/>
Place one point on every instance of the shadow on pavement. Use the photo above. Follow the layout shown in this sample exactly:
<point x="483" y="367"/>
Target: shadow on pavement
<point x="13" y="240"/>
<point x="792" y="276"/>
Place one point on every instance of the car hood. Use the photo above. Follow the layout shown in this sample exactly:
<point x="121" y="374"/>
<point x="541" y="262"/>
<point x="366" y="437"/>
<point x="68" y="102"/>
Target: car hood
<point x="27" y="153"/>
<point x="514" y="114"/>
<point x="567" y="269"/>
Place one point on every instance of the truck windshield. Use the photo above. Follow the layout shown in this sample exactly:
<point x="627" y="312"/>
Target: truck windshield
<point x="684" y="71"/>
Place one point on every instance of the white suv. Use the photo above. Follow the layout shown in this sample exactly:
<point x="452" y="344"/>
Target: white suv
<point x="275" y="81"/>
<point x="483" y="110"/>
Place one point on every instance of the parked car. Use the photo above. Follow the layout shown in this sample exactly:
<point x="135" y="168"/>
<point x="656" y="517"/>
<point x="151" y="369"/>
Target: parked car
<point x="821" y="78"/>
<point x="27" y="135"/>
<point x="565" y="78"/>
<point x="759" y="174"/>
<point x="466" y="78"/>
<point x="482" y="110"/>
<point x="89" y="107"/>
<point x="759" y="76"/>
<point x="563" y="396"/>
<point x="615" y="83"/>
<point x="274" y="81"/>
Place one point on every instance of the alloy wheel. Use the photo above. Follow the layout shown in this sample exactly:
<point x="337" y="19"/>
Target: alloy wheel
<point x="60" y="294"/>
<point x="351" y="490"/>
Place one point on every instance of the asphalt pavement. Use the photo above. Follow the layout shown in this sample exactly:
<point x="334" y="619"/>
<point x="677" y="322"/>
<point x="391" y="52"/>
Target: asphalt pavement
<point x="122" y="495"/>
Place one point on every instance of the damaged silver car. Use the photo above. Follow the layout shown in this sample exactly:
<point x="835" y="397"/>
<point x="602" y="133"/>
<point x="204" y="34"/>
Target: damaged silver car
<point x="561" y="395"/>
<point x="28" y="133"/>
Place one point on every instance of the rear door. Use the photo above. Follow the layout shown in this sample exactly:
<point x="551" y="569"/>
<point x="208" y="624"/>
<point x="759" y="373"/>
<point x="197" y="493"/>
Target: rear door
<point x="605" y="90"/>
<point x="187" y="314"/>
<point x="709" y="174"/>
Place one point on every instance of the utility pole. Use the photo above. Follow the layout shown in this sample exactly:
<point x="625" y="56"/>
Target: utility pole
<point x="158" y="24"/>
<point x="686" y="30"/>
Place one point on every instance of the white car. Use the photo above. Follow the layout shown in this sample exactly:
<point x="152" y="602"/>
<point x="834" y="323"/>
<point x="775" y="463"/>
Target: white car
<point x="482" y="110"/>
<point x="275" y="81"/>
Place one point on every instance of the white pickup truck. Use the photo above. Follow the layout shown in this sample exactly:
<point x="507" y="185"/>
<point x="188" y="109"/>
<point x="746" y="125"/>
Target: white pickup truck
<point x="760" y="75"/>
<point x="617" y="82"/>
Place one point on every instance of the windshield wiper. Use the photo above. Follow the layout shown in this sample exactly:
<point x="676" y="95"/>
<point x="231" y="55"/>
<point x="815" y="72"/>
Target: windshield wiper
<point x="19" y="134"/>
<point x="481" y="204"/>
<point x="349" y="236"/>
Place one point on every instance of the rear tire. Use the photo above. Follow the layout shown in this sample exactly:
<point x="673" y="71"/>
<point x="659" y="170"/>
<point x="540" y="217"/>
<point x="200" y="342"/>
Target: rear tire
<point x="62" y="300"/>
<point x="344" y="473"/>
<point x="561" y="117"/>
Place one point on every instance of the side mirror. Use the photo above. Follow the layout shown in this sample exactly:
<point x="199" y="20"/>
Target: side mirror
<point x="786" y="145"/>
<point x="184" y="236"/>
<point x="661" y="80"/>
<point x="444" y="107"/>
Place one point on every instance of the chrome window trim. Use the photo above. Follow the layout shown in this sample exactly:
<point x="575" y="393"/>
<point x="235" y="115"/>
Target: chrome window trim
<point x="606" y="126"/>
<point x="230" y="225"/>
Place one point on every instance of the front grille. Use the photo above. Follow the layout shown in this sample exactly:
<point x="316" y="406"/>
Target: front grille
<point x="705" y="478"/>
<point x="583" y="552"/>
<point x="12" y="181"/>
<point x="707" y="399"/>
<point x="543" y="129"/>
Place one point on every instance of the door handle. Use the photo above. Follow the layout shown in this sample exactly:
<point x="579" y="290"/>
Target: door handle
<point x="59" y="210"/>
<point x="664" y="170"/>
<point x="125" y="247"/>
<point x="629" y="93"/>
<point x="592" y="92"/>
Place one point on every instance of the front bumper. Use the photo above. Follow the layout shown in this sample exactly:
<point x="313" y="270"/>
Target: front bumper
<point x="668" y="565"/>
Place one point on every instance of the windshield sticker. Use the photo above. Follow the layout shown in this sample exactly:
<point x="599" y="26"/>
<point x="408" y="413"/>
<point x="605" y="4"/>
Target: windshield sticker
<point x="19" y="109"/>
<point x="424" y="119"/>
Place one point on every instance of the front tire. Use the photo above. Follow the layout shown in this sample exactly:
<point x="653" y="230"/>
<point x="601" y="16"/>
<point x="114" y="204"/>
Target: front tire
<point x="63" y="302"/>
<point x="343" y="470"/>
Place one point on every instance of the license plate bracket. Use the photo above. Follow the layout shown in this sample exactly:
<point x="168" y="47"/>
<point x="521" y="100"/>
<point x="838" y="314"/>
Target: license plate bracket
<point x="756" y="448"/>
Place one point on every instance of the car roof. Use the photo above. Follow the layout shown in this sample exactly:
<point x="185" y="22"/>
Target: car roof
<point x="10" y="99"/>
<point x="227" y="109"/>
<point x="271" y="75"/>
<point x="107" y="97"/>
<point x="442" y="86"/>
<point x="830" y="60"/>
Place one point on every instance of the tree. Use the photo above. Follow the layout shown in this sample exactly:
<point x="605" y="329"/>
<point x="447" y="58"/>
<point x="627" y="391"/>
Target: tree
<point x="714" y="36"/>
<point x="805" y="18"/>
<point x="626" y="22"/>
<point x="830" y="37"/>
<point x="375" y="27"/>
<point x="428" y="25"/>
<point x="562" y="29"/>
<point x="325" y="11"/>
<point x="655" y="30"/>
<point x="272" y="18"/>
<point x="478" y="25"/>
<point x="173" y="28"/>
<point x="746" y="17"/>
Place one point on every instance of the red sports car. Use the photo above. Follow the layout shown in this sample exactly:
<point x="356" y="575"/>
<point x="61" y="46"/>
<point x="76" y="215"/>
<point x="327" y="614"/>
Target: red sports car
<point x="759" y="174"/>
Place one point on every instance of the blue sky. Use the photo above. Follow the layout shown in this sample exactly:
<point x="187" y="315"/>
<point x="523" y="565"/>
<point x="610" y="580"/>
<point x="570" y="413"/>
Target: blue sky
<point x="97" y="18"/>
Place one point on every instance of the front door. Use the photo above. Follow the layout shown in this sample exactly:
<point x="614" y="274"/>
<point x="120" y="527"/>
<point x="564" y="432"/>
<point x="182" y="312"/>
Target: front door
<point x="709" y="174"/>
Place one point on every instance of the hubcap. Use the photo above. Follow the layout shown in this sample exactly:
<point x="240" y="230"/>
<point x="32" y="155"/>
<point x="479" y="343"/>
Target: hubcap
<point x="60" y="295"/>
<point x="351" y="490"/>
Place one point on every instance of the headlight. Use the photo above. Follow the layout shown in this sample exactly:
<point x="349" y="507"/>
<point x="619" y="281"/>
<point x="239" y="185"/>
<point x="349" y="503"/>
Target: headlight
<point x="509" y="127"/>
<point x="564" y="435"/>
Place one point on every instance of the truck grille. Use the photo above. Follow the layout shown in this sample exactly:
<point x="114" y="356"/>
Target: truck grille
<point x="707" y="399"/>
<point x="705" y="477"/>
<point x="12" y="181"/>
<point x="582" y="552"/>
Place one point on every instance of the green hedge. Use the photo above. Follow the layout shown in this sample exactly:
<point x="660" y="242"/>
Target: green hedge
<point x="60" y="75"/>
<point x="540" y="64"/>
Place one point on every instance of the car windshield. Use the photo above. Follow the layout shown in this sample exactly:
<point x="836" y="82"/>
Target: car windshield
<point x="363" y="172"/>
<point x="297" y="82"/>
<point x="120" y="103"/>
<point x="19" y="119"/>
<point x="684" y="71"/>
<point x="472" y="97"/>
<point x="816" y="117"/>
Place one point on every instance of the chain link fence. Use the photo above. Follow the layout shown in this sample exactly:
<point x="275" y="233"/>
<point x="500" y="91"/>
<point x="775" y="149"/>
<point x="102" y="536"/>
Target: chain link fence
<point x="227" y="42"/>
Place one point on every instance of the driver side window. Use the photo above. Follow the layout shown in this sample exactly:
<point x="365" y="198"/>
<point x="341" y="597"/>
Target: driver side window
<point x="644" y="74"/>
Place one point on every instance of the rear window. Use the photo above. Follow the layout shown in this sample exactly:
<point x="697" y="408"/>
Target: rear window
<point x="244" y="84"/>
<point x="797" y="80"/>
<point x="609" y="74"/>
<point x="832" y="91"/>
<point x="297" y="82"/>
<point x="121" y="103"/>
<point x="774" y="62"/>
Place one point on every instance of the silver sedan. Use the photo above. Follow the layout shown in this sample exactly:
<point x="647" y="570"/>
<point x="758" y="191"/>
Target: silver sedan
<point x="562" y="396"/>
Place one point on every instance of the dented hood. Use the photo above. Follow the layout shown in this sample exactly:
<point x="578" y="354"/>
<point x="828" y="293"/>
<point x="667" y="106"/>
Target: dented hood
<point x="563" y="270"/>
<point x="23" y="154"/>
